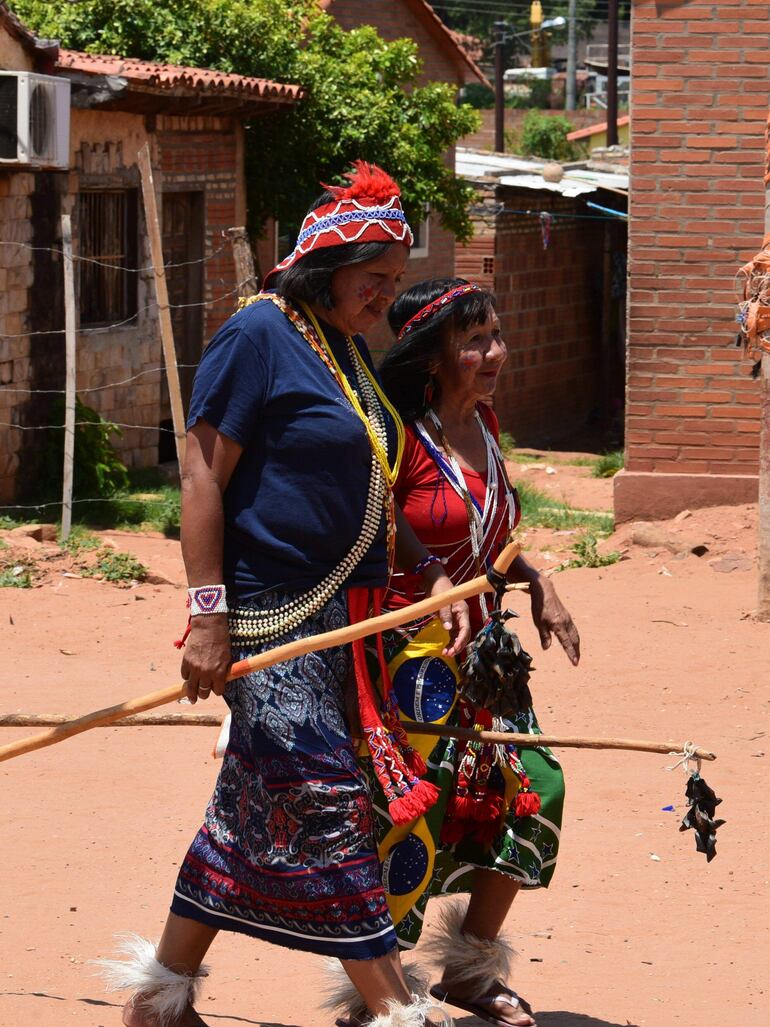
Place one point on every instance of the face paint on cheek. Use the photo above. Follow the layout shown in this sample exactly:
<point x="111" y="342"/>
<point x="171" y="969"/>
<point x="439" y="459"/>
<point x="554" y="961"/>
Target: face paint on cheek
<point x="469" y="361"/>
<point x="365" y="293"/>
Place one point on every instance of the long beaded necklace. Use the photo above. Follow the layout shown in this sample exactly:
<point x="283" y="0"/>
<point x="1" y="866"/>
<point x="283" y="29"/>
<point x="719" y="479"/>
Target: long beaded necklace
<point x="250" y="625"/>
<point x="476" y="517"/>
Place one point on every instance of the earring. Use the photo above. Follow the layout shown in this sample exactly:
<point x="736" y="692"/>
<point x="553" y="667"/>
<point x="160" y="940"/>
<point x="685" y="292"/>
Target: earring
<point x="428" y="393"/>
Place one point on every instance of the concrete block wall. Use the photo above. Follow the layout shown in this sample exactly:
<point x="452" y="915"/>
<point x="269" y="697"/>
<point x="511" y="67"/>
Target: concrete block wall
<point x="700" y="84"/>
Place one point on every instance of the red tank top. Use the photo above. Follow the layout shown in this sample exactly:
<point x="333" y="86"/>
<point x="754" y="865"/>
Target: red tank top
<point x="439" y="518"/>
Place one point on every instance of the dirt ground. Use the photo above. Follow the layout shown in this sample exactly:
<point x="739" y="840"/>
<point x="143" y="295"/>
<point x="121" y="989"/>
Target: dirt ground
<point x="636" y="929"/>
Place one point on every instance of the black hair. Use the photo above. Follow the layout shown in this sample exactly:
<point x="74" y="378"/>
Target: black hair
<point x="309" y="280"/>
<point x="407" y="369"/>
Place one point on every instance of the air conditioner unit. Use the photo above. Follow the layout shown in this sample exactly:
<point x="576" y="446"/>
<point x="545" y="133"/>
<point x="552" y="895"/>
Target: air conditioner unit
<point x="34" y="120"/>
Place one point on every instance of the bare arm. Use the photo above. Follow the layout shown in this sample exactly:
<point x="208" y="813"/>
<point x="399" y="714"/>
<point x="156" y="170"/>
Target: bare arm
<point x="210" y="460"/>
<point x="409" y="552"/>
<point x="548" y="612"/>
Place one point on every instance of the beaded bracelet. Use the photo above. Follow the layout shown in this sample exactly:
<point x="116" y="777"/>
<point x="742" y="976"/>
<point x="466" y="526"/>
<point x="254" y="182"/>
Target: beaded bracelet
<point x="425" y="563"/>
<point x="206" y="599"/>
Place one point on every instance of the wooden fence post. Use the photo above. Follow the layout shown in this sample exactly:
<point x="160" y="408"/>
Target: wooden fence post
<point x="70" y="329"/>
<point x="244" y="262"/>
<point x="161" y="295"/>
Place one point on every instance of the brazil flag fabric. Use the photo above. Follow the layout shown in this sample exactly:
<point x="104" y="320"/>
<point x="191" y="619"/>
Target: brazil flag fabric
<point x="415" y="863"/>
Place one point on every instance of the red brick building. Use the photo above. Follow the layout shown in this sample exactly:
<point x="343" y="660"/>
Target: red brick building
<point x="700" y="83"/>
<point x="192" y="120"/>
<point x="444" y="60"/>
<point x="560" y="283"/>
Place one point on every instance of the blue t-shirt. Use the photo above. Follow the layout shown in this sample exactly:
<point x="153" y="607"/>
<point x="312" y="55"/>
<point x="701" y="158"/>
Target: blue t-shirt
<point x="294" y="505"/>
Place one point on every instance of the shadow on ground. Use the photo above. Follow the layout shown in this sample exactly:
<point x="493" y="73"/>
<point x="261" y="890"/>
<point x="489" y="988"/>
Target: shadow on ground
<point x="553" y="1018"/>
<point x="223" y="1018"/>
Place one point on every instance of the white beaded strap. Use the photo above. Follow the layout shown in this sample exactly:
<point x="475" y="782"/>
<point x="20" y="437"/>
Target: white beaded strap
<point x="251" y="625"/>
<point x="206" y="599"/>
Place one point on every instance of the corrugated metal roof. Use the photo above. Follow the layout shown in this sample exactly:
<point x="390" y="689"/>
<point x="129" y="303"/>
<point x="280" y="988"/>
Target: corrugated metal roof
<point x="525" y="174"/>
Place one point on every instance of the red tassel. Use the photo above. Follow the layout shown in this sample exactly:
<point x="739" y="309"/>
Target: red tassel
<point x="453" y="831"/>
<point x="179" y="643"/>
<point x="415" y="762"/>
<point x="414" y="804"/>
<point x="526" y="804"/>
<point x="486" y="833"/>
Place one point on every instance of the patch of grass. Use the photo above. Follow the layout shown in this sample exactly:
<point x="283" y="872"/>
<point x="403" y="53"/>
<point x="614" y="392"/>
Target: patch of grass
<point x="587" y="555"/>
<point x="115" y="566"/>
<point x="79" y="541"/>
<point x="608" y="465"/>
<point x="507" y="443"/>
<point x="540" y="510"/>
<point x="16" y="572"/>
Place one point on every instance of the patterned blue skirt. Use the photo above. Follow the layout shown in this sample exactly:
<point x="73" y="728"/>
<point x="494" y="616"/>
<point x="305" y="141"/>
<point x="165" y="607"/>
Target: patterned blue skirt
<point x="287" y="850"/>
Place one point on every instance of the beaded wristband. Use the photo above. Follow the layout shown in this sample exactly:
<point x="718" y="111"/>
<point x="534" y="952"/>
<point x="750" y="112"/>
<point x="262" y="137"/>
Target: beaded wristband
<point x="425" y="563"/>
<point x="206" y="599"/>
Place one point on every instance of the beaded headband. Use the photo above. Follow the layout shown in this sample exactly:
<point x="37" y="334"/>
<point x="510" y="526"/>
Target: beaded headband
<point x="367" y="210"/>
<point x="439" y="303"/>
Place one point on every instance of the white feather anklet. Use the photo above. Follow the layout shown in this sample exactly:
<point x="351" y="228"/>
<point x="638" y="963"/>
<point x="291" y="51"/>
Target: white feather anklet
<point x="163" y="993"/>
<point x="343" y="997"/>
<point x="466" y="960"/>
<point x="418" y="1013"/>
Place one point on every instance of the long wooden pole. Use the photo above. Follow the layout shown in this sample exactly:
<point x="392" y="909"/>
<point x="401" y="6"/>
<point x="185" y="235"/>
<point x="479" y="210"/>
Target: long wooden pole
<point x="70" y="330"/>
<point x="523" y="741"/>
<point x="161" y="294"/>
<point x="467" y="734"/>
<point x="314" y="643"/>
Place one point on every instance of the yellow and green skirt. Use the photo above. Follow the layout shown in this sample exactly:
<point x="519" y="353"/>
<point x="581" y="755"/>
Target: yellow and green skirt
<point x="423" y="858"/>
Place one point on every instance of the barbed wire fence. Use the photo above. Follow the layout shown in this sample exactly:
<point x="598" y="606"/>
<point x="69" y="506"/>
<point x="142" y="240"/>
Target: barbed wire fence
<point x="234" y="240"/>
<point x="157" y="311"/>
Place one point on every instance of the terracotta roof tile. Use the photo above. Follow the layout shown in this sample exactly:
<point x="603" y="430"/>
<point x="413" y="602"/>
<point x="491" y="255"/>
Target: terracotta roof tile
<point x="171" y="76"/>
<point x="595" y="130"/>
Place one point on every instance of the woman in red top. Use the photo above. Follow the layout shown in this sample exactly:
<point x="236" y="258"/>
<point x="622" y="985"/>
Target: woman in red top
<point x="497" y="828"/>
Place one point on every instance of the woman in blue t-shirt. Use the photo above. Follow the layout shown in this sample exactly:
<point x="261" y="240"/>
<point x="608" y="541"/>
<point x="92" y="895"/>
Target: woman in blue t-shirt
<point x="287" y="525"/>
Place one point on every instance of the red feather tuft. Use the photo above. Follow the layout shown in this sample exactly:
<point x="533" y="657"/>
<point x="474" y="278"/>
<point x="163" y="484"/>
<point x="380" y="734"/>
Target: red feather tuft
<point x="367" y="182"/>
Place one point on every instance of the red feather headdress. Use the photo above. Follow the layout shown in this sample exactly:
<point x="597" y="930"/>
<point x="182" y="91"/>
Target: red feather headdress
<point x="368" y="209"/>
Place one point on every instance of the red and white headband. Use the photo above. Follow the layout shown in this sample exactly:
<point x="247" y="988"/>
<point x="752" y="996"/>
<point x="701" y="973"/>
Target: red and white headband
<point x="367" y="210"/>
<point x="435" y="305"/>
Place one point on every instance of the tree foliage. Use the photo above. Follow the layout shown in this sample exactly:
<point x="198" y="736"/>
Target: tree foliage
<point x="362" y="97"/>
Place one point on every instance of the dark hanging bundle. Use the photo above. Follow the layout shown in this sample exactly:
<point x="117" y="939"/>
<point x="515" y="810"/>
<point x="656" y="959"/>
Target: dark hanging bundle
<point x="700" y="816"/>
<point x="496" y="671"/>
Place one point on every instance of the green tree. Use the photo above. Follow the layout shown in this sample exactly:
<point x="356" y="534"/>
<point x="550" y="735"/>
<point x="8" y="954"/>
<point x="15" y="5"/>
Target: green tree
<point x="543" y="135"/>
<point x="362" y="98"/>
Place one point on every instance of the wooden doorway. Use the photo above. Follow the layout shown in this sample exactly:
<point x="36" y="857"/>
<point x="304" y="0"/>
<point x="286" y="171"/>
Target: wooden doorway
<point x="183" y="248"/>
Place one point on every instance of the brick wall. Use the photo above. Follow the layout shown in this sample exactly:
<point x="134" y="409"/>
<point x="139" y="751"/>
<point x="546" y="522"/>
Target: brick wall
<point x="200" y="154"/>
<point x="549" y="302"/>
<point x="700" y="79"/>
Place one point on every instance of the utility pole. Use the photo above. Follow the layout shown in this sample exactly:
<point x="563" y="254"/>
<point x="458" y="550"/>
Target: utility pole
<point x="571" y="99"/>
<point x="500" y="27"/>
<point x="612" y="73"/>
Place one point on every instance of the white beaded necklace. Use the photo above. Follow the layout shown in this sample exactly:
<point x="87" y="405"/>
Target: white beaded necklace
<point x="478" y="523"/>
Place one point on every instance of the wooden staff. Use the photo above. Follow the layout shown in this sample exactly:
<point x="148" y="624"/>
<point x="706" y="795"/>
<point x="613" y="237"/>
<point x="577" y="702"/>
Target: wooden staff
<point x="314" y="643"/>
<point x="467" y="734"/>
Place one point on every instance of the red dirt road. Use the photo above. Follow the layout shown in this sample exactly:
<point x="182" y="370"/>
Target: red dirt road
<point x="95" y="828"/>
